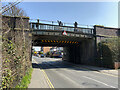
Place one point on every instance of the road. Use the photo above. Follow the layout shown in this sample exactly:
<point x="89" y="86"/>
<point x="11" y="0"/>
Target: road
<point x="66" y="75"/>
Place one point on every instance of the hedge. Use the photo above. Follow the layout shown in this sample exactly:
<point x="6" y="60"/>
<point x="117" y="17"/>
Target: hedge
<point x="108" y="52"/>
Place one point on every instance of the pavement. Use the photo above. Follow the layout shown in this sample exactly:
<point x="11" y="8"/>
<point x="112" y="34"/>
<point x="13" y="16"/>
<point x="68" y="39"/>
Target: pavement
<point x="55" y="73"/>
<point x="114" y="72"/>
<point x="38" y="79"/>
<point x="102" y="70"/>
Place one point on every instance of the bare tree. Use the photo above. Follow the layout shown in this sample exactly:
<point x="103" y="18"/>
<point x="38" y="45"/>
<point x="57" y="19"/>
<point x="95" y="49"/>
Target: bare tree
<point x="15" y="11"/>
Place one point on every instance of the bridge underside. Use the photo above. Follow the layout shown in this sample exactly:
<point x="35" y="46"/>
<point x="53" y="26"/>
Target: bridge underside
<point x="60" y="41"/>
<point x="81" y="54"/>
<point x="76" y="50"/>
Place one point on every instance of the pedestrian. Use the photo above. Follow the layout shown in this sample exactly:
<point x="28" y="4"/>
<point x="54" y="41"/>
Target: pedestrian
<point x="75" y="26"/>
<point x="60" y="23"/>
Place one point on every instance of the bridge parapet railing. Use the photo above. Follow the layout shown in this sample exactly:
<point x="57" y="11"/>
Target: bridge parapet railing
<point x="41" y="26"/>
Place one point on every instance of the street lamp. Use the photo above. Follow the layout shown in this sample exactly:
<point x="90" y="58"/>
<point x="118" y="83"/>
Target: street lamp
<point x="101" y="56"/>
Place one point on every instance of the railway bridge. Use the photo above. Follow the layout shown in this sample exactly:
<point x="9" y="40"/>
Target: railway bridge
<point x="18" y="35"/>
<point x="78" y="43"/>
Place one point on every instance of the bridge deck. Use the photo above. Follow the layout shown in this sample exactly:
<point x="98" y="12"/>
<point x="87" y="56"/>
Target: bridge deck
<point x="42" y="26"/>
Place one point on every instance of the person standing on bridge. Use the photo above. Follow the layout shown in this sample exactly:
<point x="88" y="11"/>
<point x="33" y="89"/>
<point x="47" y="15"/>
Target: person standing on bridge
<point x="60" y="23"/>
<point x="75" y="26"/>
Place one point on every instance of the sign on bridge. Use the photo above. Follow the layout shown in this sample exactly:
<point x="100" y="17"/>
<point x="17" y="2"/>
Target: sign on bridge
<point x="64" y="33"/>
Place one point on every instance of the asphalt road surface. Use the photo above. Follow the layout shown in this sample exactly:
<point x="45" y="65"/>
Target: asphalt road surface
<point x="66" y="75"/>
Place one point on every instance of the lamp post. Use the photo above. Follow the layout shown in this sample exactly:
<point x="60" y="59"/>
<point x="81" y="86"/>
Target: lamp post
<point x="101" y="56"/>
<point x="118" y="44"/>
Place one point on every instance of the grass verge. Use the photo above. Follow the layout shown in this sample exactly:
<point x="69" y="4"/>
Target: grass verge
<point x="25" y="80"/>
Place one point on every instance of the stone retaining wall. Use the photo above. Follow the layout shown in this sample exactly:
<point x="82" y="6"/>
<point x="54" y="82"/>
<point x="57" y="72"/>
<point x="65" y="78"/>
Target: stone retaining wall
<point x="16" y="49"/>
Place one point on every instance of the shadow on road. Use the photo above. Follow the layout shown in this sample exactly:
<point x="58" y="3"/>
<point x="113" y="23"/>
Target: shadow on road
<point x="64" y="64"/>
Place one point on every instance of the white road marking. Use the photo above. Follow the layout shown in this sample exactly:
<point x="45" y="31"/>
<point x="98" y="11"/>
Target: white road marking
<point x="99" y="82"/>
<point x="86" y="76"/>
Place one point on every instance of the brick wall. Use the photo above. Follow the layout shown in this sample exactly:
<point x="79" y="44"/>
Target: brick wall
<point x="0" y="49"/>
<point x="105" y="32"/>
<point x="46" y="49"/>
<point x="18" y="54"/>
<point x="101" y="30"/>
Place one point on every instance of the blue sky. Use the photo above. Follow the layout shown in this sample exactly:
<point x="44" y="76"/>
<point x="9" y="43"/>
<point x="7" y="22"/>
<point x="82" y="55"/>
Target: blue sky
<point x="88" y="13"/>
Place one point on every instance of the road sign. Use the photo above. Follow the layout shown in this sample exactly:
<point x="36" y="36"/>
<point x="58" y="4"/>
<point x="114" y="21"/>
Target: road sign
<point x="64" y="33"/>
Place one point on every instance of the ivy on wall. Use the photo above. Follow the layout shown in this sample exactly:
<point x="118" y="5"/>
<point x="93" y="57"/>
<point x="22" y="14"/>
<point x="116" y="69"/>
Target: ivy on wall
<point x="16" y="61"/>
<point x="108" y="52"/>
<point x="16" y="51"/>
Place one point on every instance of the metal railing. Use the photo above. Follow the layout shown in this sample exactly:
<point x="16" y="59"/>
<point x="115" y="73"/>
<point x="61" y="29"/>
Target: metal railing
<point x="41" y="26"/>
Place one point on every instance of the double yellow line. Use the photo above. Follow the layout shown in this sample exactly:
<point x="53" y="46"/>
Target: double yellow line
<point x="46" y="77"/>
<point x="48" y="80"/>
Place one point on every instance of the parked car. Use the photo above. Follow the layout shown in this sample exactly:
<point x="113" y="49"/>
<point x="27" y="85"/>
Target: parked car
<point x="57" y="55"/>
<point x="37" y="55"/>
<point x="42" y="55"/>
<point x="60" y="56"/>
